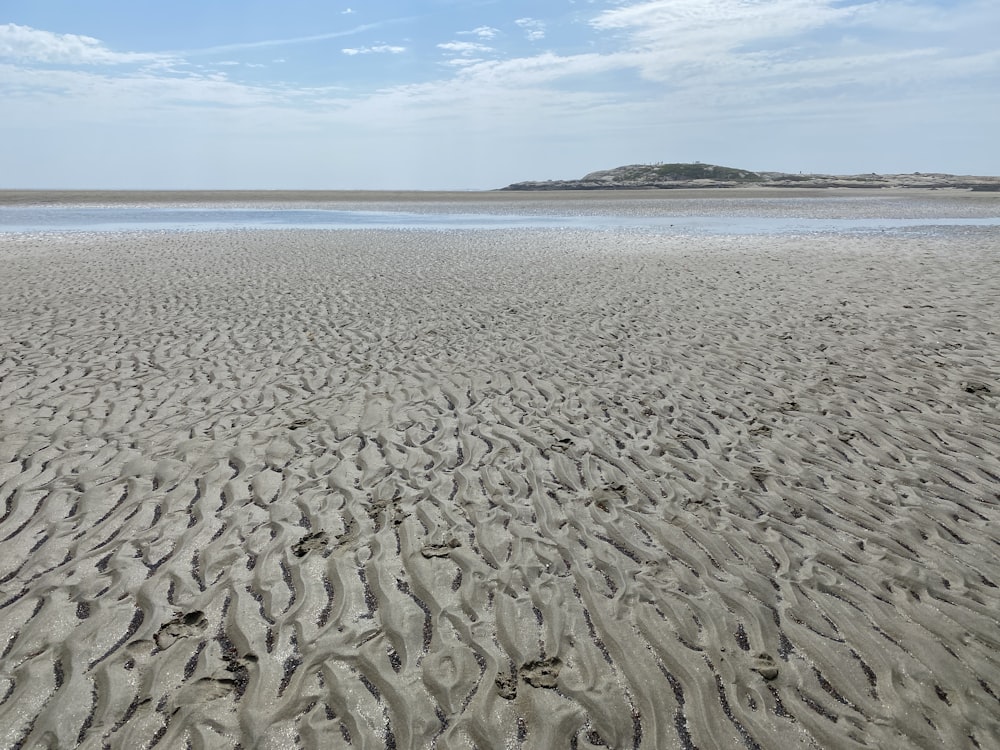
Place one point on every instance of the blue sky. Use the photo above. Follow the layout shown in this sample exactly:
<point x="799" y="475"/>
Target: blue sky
<point x="467" y="94"/>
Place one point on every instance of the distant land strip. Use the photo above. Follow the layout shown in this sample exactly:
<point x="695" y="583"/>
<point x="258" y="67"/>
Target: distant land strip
<point x="698" y="175"/>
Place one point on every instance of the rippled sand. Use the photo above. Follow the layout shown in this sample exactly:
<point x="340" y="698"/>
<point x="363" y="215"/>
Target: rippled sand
<point x="483" y="489"/>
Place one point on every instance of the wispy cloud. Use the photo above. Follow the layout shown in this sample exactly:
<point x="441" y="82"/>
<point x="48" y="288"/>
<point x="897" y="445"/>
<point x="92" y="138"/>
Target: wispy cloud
<point x="26" y="44"/>
<point x="720" y="24"/>
<point x="99" y="95"/>
<point x="483" y="32"/>
<point x="288" y="41"/>
<point x="684" y="43"/>
<point x="533" y="28"/>
<point x="465" y="48"/>
<point x="726" y="59"/>
<point x="378" y="49"/>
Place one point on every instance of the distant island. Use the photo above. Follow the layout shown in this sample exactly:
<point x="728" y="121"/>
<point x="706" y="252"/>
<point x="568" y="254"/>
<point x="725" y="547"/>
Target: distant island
<point x="698" y="175"/>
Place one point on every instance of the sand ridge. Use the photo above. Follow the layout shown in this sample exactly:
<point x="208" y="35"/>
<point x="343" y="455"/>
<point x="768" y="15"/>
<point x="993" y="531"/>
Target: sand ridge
<point x="470" y="489"/>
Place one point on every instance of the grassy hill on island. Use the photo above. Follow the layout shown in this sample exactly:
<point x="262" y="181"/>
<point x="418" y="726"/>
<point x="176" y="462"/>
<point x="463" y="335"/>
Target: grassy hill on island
<point x="698" y="175"/>
<point x="673" y="172"/>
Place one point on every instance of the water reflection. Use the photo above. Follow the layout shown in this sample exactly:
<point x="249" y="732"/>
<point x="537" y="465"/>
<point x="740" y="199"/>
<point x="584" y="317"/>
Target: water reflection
<point x="61" y="218"/>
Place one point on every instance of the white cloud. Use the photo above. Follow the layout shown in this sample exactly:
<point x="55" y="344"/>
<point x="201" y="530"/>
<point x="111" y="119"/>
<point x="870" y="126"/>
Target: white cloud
<point x="719" y="61"/>
<point x="744" y="39"/>
<point x="533" y="28"/>
<point x="134" y="95"/>
<point x="347" y="11"/>
<point x="483" y="32"/>
<point x="763" y="56"/>
<point x="27" y="44"/>
<point x="697" y="27"/>
<point x="464" y="48"/>
<point x="541" y="70"/>
<point x="377" y="49"/>
<point x="913" y="15"/>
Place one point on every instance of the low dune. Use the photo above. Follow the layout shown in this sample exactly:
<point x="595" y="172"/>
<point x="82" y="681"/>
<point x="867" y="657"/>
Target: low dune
<point x="540" y="489"/>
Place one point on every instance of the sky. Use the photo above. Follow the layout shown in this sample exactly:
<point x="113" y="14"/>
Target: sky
<point x="477" y="94"/>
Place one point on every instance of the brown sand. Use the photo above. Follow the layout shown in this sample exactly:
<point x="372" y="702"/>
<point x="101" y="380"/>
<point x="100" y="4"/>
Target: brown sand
<point x="499" y="489"/>
<point x="485" y="197"/>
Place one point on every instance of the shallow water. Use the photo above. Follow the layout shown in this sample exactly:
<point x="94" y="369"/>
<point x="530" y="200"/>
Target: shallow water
<point x="730" y="220"/>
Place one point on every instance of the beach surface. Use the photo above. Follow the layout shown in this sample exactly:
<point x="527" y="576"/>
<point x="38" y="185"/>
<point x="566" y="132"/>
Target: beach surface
<point x="581" y="199"/>
<point x="540" y="489"/>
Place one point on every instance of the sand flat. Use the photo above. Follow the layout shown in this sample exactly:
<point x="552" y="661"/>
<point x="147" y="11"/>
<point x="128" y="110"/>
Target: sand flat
<point x="578" y="198"/>
<point x="530" y="489"/>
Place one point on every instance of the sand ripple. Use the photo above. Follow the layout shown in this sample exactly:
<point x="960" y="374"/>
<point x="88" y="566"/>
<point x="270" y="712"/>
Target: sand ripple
<point x="549" y="489"/>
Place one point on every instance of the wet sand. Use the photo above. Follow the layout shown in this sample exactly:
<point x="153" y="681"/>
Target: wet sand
<point x="10" y="197"/>
<point x="533" y="489"/>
